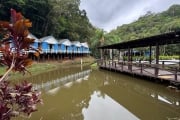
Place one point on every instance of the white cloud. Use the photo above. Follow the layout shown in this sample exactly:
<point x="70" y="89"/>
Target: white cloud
<point x="108" y="14"/>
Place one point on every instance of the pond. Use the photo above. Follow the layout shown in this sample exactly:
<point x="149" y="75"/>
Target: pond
<point x="82" y="93"/>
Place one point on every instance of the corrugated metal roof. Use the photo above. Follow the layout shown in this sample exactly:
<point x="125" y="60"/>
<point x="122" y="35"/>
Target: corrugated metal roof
<point x="85" y="44"/>
<point x="49" y="39"/>
<point x="30" y="35"/>
<point x="76" y="43"/>
<point x="65" y="42"/>
<point x="161" y="39"/>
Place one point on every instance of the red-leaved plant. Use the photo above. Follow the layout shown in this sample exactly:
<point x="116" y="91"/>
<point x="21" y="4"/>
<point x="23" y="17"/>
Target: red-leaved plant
<point x="18" y="99"/>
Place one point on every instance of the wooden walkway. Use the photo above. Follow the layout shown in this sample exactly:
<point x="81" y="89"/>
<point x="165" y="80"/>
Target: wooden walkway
<point x="160" y="72"/>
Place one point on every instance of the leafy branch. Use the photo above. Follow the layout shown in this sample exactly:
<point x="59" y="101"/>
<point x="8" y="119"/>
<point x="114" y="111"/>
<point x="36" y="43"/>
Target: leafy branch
<point x="18" y="99"/>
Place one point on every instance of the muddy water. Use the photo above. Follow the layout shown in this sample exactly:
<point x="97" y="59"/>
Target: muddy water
<point x="78" y="93"/>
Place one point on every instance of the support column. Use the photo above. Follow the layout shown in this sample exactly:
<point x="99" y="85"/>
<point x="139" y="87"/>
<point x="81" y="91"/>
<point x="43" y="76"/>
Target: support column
<point x="110" y="53"/>
<point x="157" y="60"/>
<point x="43" y="59"/>
<point x="58" y="56"/>
<point x="103" y="56"/>
<point x="129" y="58"/>
<point x="123" y="56"/>
<point x="119" y="55"/>
<point x="150" y="54"/>
<point x="112" y="56"/>
<point x="128" y="54"/>
<point x="179" y="58"/>
<point x="101" y="52"/>
<point x="131" y="55"/>
<point x="48" y="56"/>
<point x="54" y="56"/>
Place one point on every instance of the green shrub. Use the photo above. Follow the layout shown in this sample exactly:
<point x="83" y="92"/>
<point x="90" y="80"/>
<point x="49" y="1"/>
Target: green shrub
<point x="176" y="57"/>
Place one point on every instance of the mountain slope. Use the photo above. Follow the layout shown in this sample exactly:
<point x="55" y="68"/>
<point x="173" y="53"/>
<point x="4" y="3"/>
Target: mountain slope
<point x="148" y="25"/>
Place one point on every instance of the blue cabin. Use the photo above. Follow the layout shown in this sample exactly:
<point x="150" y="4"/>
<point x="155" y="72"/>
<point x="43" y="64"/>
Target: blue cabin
<point x="65" y="46"/>
<point x="36" y="43"/>
<point x="81" y="48"/>
<point x="49" y="44"/>
<point x="84" y="48"/>
<point x="76" y="46"/>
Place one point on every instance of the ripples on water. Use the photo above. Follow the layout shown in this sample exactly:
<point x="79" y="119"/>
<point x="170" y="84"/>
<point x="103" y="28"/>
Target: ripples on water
<point x="84" y="94"/>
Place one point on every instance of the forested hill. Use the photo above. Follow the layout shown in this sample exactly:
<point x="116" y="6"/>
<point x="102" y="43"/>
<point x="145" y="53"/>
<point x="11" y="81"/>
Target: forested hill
<point x="148" y="25"/>
<point x="60" y="18"/>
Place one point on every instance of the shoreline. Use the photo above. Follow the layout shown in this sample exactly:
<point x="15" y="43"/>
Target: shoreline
<point x="42" y="67"/>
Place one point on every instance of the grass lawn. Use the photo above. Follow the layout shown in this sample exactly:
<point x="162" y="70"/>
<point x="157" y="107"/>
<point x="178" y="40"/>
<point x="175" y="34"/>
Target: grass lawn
<point x="42" y="67"/>
<point x="35" y="69"/>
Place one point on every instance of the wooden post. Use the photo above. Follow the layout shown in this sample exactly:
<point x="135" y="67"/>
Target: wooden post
<point x="128" y="54"/>
<point x="141" y="68"/>
<point x="60" y="56"/>
<point x="112" y="57"/>
<point x="128" y="58"/>
<point x="131" y="55"/>
<point x="38" y="58"/>
<point x="110" y="53"/>
<point x="157" y="60"/>
<point x="109" y="63"/>
<point x="43" y="57"/>
<point x="119" y="56"/>
<point x="175" y="75"/>
<point x="150" y="54"/>
<point x="163" y="64"/>
<point x="122" y="66"/>
<point x="54" y="56"/>
<point x="48" y="56"/>
<point x="179" y="59"/>
<point x="101" y="53"/>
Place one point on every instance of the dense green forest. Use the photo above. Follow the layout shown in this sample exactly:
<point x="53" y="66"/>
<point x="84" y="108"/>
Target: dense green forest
<point x="149" y="24"/>
<point x="60" y="18"/>
<point x="64" y="19"/>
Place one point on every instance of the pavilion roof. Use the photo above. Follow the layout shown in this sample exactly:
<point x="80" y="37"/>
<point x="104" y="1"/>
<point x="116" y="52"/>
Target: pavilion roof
<point x="162" y="39"/>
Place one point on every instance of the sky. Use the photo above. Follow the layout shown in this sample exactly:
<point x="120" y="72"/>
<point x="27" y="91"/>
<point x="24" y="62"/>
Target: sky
<point x="108" y="14"/>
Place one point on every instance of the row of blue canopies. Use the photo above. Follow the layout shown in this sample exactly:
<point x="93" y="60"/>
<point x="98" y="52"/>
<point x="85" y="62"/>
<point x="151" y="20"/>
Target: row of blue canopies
<point x="49" y="44"/>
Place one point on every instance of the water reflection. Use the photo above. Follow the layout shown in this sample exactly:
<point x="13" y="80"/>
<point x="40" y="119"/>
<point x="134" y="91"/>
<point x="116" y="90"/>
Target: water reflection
<point x="66" y="81"/>
<point x="75" y="94"/>
<point x="144" y="99"/>
<point x="105" y="108"/>
<point x="145" y="88"/>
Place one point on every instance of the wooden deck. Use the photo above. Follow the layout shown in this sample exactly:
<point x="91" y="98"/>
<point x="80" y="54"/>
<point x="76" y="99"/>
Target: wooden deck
<point x="160" y="72"/>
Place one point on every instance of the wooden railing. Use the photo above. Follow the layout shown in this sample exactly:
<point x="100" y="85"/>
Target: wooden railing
<point x="154" y="70"/>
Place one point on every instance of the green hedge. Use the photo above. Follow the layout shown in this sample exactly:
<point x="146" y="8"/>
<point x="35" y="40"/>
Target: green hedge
<point x="176" y="57"/>
<point x="137" y="58"/>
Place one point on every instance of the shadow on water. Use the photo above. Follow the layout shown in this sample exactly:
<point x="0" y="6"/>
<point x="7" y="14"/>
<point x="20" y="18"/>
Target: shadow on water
<point x="84" y="94"/>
